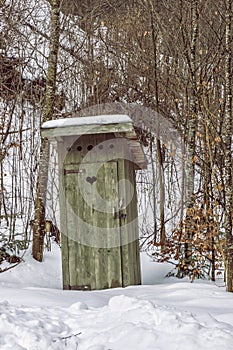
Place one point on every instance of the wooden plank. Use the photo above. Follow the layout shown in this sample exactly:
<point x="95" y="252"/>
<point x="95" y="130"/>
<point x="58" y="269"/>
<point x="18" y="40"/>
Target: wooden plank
<point x="109" y="274"/>
<point x="113" y="238"/>
<point x="69" y="183"/>
<point x="114" y="249"/>
<point x="80" y="263"/>
<point x="123" y="223"/>
<point x="92" y="129"/>
<point x="63" y="222"/>
<point x="134" y="249"/>
<point x="136" y="258"/>
<point x="137" y="154"/>
<point x="100" y="221"/>
<point x="129" y="228"/>
<point x="128" y="248"/>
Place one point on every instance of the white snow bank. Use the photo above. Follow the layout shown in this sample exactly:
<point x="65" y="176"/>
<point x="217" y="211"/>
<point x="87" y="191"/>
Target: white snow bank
<point x="125" y="323"/>
<point x="94" y="120"/>
<point x="35" y="314"/>
<point x="153" y="273"/>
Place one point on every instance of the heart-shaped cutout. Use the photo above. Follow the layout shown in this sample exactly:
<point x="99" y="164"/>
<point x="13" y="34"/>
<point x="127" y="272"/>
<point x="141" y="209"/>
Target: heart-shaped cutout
<point x="91" y="180"/>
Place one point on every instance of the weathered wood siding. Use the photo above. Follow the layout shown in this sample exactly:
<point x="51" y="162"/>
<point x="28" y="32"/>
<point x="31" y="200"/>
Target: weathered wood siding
<point x="99" y="238"/>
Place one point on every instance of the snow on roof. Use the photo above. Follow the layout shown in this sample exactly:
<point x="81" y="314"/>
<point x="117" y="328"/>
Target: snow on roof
<point x="93" y="120"/>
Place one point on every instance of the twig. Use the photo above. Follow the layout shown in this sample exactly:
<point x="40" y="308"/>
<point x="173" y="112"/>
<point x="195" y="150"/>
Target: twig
<point x="67" y="337"/>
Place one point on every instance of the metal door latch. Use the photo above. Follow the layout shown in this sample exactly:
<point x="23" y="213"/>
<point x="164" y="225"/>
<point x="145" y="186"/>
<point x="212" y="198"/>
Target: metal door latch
<point x="119" y="214"/>
<point x="122" y="215"/>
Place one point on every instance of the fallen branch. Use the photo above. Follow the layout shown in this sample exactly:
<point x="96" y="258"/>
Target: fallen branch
<point x="66" y="338"/>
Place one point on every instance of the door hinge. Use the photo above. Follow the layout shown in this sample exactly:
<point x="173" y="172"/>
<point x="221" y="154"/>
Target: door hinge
<point x="74" y="171"/>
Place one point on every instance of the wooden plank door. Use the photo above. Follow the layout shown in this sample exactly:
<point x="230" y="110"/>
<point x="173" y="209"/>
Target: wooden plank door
<point x="91" y="247"/>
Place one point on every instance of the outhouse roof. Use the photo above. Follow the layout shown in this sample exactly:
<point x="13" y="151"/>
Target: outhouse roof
<point x="118" y="124"/>
<point x="92" y="120"/>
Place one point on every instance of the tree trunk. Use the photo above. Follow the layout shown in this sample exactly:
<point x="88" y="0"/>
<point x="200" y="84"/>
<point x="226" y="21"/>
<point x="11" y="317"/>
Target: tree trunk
<point x="191" y="127"/>
<point x="228" y="155"/>
<point x="160" y="160"/>
<point x="162" y="193"/>
<point x="154" y="192"/>
<point x="41" y="189"/>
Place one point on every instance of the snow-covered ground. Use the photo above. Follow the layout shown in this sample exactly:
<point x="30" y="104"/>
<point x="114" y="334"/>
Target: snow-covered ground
<point x="163" y="313"/>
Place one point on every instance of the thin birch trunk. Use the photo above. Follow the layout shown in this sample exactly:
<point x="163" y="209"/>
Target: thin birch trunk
<point x="41" y="188"/>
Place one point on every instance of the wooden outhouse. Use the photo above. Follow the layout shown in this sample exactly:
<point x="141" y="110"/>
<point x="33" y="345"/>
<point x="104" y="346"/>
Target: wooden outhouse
<point x="98" y="157"/>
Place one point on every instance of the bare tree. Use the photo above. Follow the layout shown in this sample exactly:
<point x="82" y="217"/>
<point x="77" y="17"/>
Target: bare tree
<point x="228" y="149"/>
<point x="40" y="203"/>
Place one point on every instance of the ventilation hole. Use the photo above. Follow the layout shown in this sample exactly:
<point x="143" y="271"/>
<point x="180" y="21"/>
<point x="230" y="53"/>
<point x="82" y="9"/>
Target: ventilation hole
<point x="89" y="147"/>
<point x="111" y="146"/>
<point x="101" y="146"/>
<point x="79" y="148"/>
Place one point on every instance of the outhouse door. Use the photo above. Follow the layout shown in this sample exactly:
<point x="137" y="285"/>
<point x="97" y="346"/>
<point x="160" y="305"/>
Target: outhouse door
<point x="93" y="258"/>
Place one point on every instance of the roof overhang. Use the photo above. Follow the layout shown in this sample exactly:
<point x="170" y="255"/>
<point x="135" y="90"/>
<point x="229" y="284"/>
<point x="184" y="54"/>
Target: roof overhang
<point x="119" y="125"/>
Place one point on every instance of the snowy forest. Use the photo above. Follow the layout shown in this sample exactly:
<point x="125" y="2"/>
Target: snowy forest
<point x="168" y="65"/>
